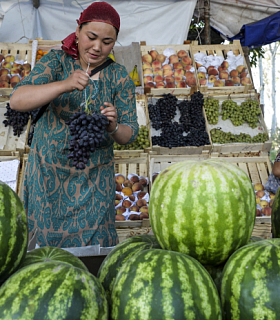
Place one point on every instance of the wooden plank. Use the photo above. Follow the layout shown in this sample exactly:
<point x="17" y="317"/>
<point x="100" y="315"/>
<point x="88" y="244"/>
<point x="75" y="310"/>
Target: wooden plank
<point x="253" y="171"/>
<point x="262" y="172"/>
<point x="243" y="166"/>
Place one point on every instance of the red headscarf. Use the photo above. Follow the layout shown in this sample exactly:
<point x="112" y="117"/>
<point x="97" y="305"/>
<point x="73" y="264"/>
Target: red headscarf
<point x="97" y="11"/>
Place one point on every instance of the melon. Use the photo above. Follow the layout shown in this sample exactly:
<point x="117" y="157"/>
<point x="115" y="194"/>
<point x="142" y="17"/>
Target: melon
<point x="205" y="209"/>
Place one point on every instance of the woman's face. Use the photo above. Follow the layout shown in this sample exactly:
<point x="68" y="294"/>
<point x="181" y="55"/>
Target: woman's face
<point x="96" y="40"/>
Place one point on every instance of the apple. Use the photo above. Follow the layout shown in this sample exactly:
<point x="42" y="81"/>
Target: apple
<point x="127" y="183"/>
<point x="266" y="211"/>
<point x="118" y="196"/>
<point x="158" y="71"/>
<point x="127" y="191"/>
<point x="127" y="203"/>
<point x="223" y="75"/>
<point x="166" y="66"/>
<point x="243" y="74"/>
<point x="15" y="70"/>
<point x="131" y="198"/>
<point x="134" y="178"/>
<point x="143" y="215"/>
<point x="240" y="68"/>
<point x="134" y="217"/>
<point x="150" y="85"/>
<point x="144" y="209"/>
<point x="201" y="75"/>
<point x="121" y="210"/>
<point x="189" y="74"/>
<point x="210" y="68"/>
<point x="188" y="68"/>
<point x="15" y="79"/>
<point x="233" y="73"/>
<point x="158" y="78"/>
<point x="203" y="81"/>
<point x="153" y="54"/>
<point x="229" y="83"/>
<point x="141" y="194"/>
<point x="161" y="57"/>
<point x="258" y="199"/>
<point x="146" y="65"/>
<point x="212" y="79"/>
<point x="4" y="71"/>
<point x="26" y="66"/>
<point x="178" y="78"/>
<point x="260" y="193"/>
<point x="178" y="65"/>
<point x="168" y="72"/>
<point x="160" y="84"/>
<point x="10" y="58"/>
<point x="182" y="53"/>
<point x="143" y="181"/>
<point x="221" y="68"/>
<point x="5" y="64"/>
<point x="191" y="81"/>
<point x="148" y="71"/>
<point x="120" y="178"/>
<point x="213" y="72"/>
<point x="181" y="84"/>
<point x="170" y="85"/>
<point x="148" y="79"/>
<point x="5" y="77"/>
<point x="4" y="84"/>
<point x="235" y="80"/>
<point x="119" y="217"/>
<point x="179" y="72"/>
<point x="147" y="58"/>
<point x="264" y="204"/>
<point x="245" y="81"/>
<point x="258" y="213"/>
<point x="24" y="73"/>
<point x="219" y="83"/>
<point x="258" y="186"/>
<point x="186" y="61"/>
<point x="141" y="202"/>
<point x="169" y="79"/>
<point x="118" y="187"/>
<point x="134" y="208"/>
<point x="225" y="64"/>
<point x="17" y="65"/>
<point x="117" y="202"/>
<point x="173" y="59"/>
<point x="156" y="64"/>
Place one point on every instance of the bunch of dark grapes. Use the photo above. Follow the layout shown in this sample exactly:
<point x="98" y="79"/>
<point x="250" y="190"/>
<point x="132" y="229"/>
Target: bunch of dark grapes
<point x="18" y="120"/>
<point x="170" y="136"/>
<point x="197" y="138"/>
<point x="87" y="131"/>
<point x="163" y="111"/>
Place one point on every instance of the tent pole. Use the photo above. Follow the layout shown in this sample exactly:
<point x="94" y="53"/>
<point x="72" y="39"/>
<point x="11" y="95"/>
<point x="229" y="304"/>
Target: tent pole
<point x="207" y="21"/>
<point x="36" y="3"/>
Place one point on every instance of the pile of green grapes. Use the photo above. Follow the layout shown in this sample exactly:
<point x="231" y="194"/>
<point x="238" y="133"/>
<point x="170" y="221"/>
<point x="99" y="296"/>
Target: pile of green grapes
<point x="141" y="142"/>
<point x="221" y="137"/>
<point x="211" y="107"/>
<point x="248" y="111"/>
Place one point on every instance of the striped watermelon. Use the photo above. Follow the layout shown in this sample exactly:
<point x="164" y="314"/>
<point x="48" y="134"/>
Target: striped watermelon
<point x="119" y="255"/>
<point x="205" y="209"/>
<point x="53" y="291"/>
<point x="13" y="231"/>
<point x="251" y="282"/>
<point x="158" y="284"/>
<point x="275" y="215"/>
<point x="53" y="254"/>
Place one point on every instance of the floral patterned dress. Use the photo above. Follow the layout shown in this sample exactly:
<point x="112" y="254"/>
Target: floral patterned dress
<point x="70" y="207"/>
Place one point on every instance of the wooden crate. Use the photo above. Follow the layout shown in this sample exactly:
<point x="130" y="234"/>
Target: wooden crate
<point x="21" y="51"/>
<point x="9" y="142"/>
<point x="126" y="233"/>
<point x="240" y="147"/>
<point x="262" y="228"/>
<point x="188" y="150"/>
<point x="222" y="50"/>
<point x="158" y="163"/>
<point x="257" y="168"/>
<point x="160" y="48"/>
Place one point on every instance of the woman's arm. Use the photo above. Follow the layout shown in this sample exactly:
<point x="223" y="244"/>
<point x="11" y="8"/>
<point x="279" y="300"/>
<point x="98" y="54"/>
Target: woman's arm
<point x="276" y="169"/>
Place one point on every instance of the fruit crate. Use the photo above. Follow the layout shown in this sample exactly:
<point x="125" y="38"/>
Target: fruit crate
<point x="262" y="228"/>
<point x="157" y="163"/>
<point x="21" y="51"/>
<point x="10" y="156"/>
<point x="188" y="150"/>
<point x="227" y="126"/>
<point x="44" y="45"/>
<point x="9" y="142"/>
<point x="257" y="167"/>
<point x="222" y="50"/>
<point x="133" y="230"/>
<point x="160" y="49"/>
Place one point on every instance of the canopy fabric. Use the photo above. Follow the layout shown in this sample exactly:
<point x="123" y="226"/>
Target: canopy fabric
<point x="156" y="22"/>
<point x="261" y="32"/>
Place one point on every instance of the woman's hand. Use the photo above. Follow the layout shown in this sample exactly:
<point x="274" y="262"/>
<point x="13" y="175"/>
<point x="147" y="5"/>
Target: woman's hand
<point x="111" y="113"/>
<point x="77" y="80"/>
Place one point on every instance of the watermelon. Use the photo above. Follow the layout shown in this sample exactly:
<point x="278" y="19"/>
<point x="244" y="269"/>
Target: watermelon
<point x="119" y="255"/>
<point x="275" y="215"/>
<point x="251" y="282"/>
<point x="47" y="254"/>
<point x="53" y="291"/>
<point x="158" y="284"/>
<point x="216" y="273"/>
<point x="13" y="231"/>
<point x="205" y="209"/>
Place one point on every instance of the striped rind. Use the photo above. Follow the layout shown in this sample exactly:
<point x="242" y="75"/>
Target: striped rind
<point x="205" y="209"/>
<point x="251" y="282"/>
<point x="159" y="284"/>
<point x="275" y="215"/>
<point x="49" y="291"/>
<point x="52" y="254"/>
<point x="13" y="231"/>
<point x="119" y="255"/>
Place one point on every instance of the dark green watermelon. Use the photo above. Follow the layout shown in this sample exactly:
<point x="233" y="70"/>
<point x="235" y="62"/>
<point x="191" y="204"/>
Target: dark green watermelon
<point x="52" y="254"/>
<point x="275" y="215"/>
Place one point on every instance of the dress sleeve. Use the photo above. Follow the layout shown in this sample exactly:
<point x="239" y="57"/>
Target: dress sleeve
<point x="45" y="71"/>
<point x="125" y="103"/>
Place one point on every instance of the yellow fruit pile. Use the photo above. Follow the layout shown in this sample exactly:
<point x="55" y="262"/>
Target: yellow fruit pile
<point x="40" y="53"/>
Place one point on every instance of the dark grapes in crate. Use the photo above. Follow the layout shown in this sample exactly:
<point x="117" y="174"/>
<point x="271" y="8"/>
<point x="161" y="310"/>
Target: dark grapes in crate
<point x="87" y="134"/>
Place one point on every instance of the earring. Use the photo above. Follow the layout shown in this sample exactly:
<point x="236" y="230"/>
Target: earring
<point x="77" y="41"/>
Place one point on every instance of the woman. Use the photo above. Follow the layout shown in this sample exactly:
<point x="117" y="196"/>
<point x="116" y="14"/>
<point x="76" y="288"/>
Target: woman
<point x="70" y="207"/>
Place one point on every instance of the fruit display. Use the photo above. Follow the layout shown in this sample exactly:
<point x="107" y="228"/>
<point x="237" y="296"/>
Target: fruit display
<point x="264" y="200"/>
<point x="188" y="130"/>
<point x="53" y="290"/>
<point x="13" y="230"/>
<point x="250" y="282"/>
<point x="210" y="201"/>
<point x="40" y="53"/>
<point x="87" y="133"/>
<point x="141" y="142"/>
<point x="131" y="197"/>
<point x="12" y="71"/>
<point x="135" y="76"/>
<point x="159" y="284"/>
<point x="216" y="71"/>
<point x="119" y="255"/>
<point x="52" y="254"/>
<point x="169" y="69"/>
